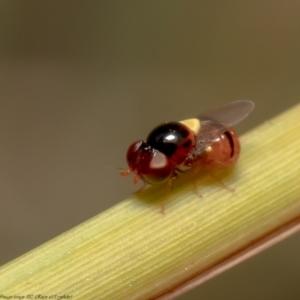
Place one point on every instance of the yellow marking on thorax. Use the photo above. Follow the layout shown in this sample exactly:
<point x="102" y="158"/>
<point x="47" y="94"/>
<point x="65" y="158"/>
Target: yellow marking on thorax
<point x="192" y="124"/>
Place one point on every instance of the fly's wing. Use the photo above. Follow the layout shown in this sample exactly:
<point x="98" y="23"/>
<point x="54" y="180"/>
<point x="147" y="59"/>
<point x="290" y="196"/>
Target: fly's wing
<point x="214" y="121"/>
<point x="229" y="114"/>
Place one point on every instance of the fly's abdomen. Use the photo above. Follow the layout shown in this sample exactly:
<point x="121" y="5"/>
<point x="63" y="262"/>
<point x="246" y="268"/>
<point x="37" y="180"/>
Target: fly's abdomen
<point x="223" y="152"/>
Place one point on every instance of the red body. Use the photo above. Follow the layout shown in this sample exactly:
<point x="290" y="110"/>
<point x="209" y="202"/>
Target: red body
<point x="222" y="153"/>
<point x="204" y="142"/>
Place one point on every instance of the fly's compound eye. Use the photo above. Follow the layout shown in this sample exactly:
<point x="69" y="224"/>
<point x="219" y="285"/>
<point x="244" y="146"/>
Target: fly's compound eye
<point x="136" y="154"/>
<point x="151" y="165"/>
<point x="173" y="139"/>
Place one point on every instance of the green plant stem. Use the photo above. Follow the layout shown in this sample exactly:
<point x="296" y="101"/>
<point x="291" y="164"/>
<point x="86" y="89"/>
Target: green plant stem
<point x="131" y="251"/>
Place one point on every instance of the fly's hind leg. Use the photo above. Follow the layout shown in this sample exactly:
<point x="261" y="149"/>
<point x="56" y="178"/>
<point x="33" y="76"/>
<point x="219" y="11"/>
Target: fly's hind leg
<point x="228" y="188"/>
<point x="193" y="171"/>
<point x="196" y="189"/>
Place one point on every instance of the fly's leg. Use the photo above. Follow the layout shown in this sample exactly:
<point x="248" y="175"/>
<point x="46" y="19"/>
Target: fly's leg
<point x="169" y="187"/>
<point x="193" y="171"/>
<point x="226" y="187"/>
<point x="142" y="188"/>
<point x="196" y="189"/>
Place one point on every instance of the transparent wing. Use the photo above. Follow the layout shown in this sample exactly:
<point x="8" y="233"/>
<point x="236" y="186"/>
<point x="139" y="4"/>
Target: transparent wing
<point x="229" y="114"/>
<point x="214" y="121"/>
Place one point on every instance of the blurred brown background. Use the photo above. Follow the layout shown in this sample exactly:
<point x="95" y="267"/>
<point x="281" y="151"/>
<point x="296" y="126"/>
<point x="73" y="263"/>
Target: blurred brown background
<point x="80" y="80"/>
